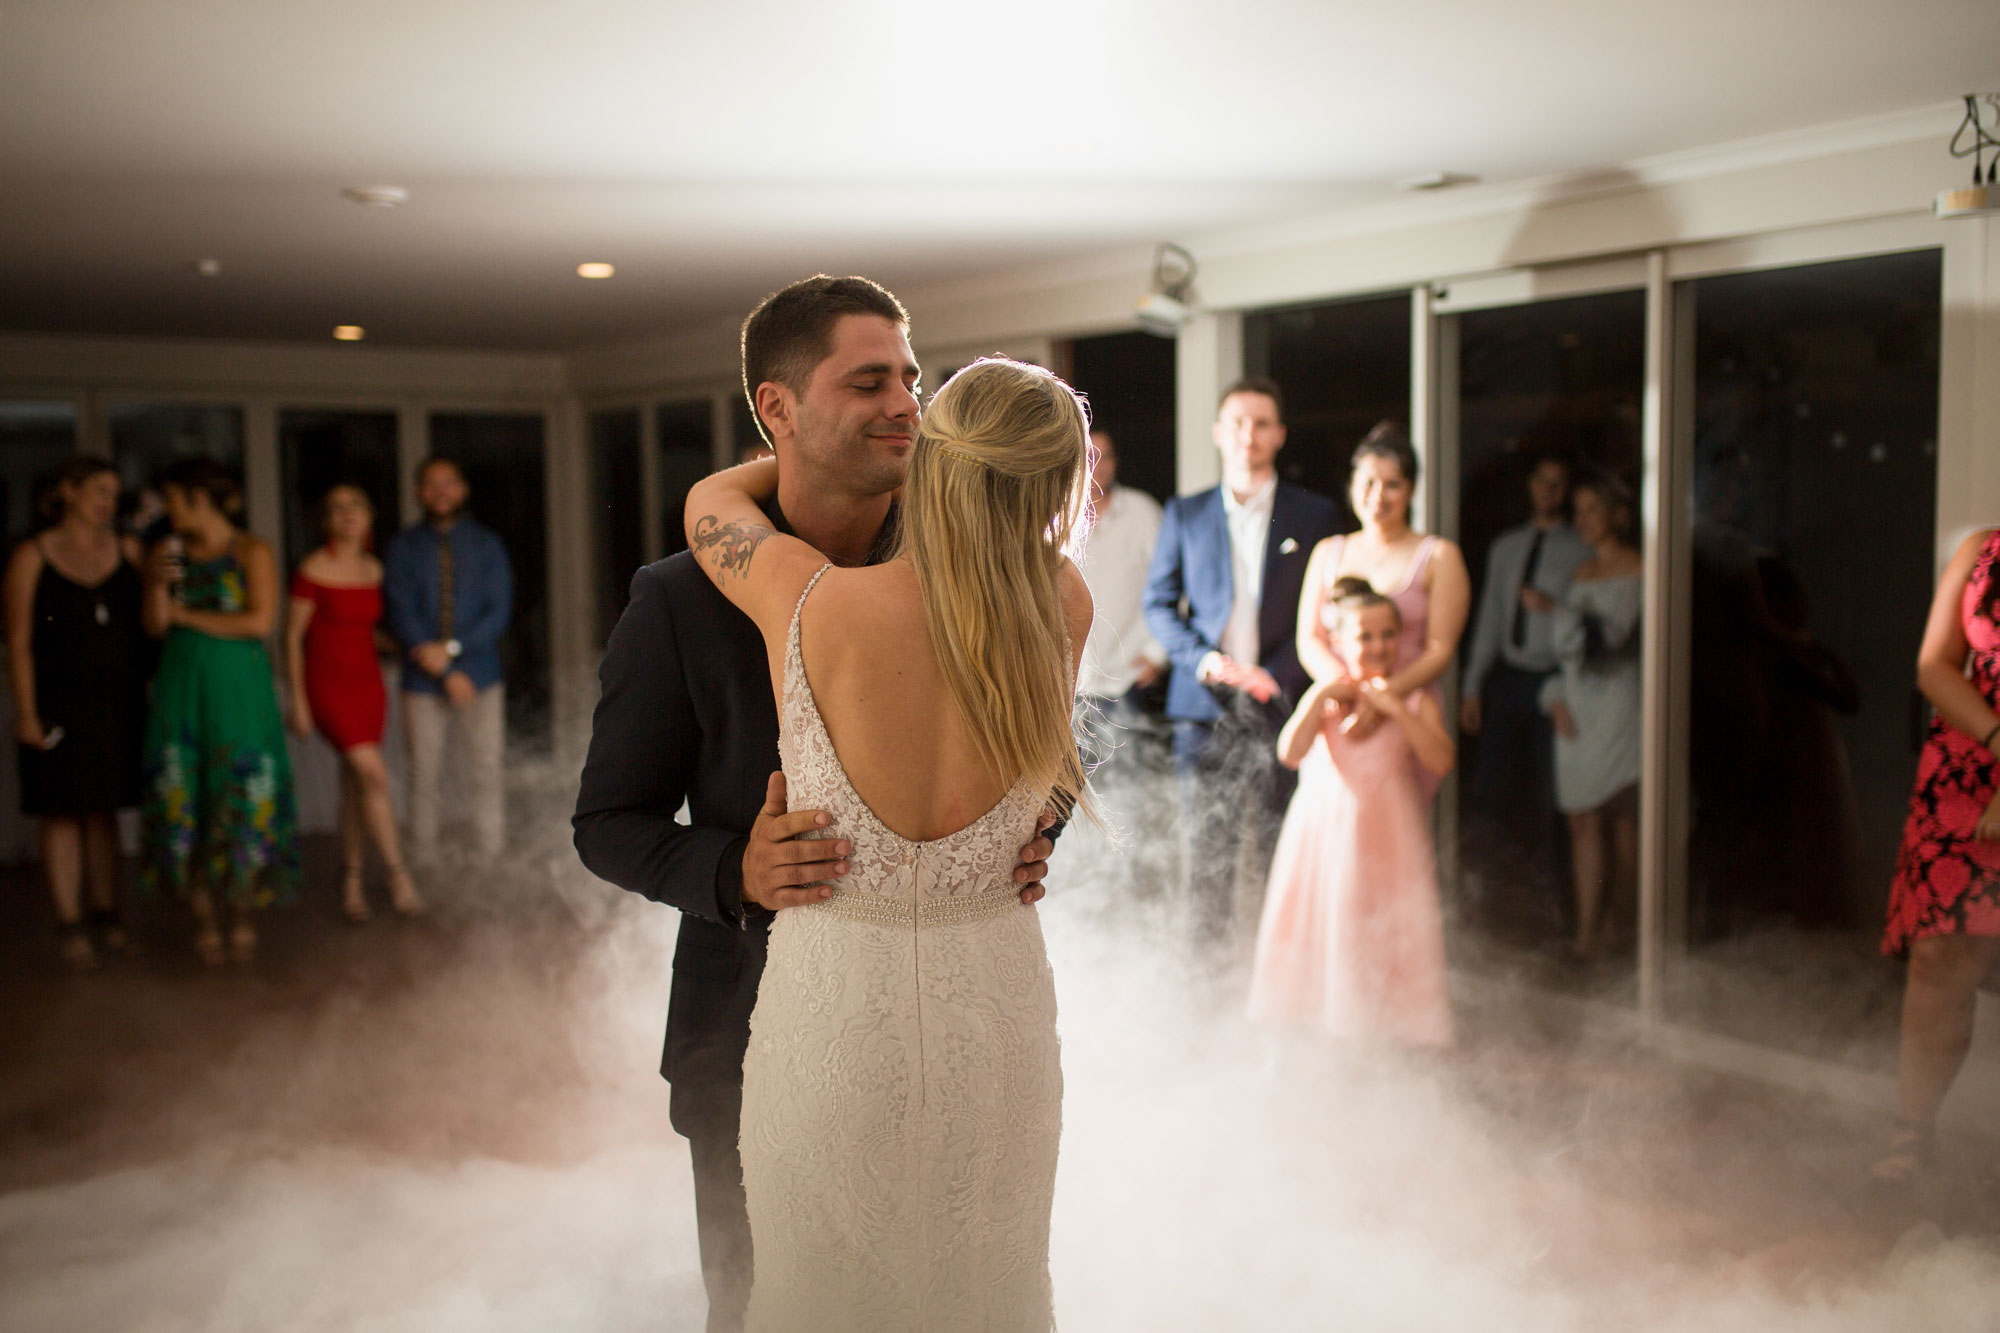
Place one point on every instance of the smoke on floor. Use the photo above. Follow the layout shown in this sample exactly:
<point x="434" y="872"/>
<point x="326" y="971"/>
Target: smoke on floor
<point x="460" y="1127"/>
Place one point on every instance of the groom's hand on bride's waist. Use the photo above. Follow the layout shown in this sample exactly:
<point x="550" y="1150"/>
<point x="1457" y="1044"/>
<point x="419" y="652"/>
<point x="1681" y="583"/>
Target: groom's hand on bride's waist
<point x="1034" y="867"/>
<point x="782" y="869"/>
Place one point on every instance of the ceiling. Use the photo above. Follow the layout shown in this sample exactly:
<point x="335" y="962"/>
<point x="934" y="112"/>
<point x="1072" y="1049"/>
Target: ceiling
<point x="712" y="151"/>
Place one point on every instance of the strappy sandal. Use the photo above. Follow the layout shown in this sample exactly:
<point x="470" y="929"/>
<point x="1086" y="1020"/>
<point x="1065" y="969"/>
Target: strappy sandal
<point x="109" y="928"/>
<point x="242" y="942"/>
<point x="74" y="945"/>
<point x="353" y="901"/>
<point x="208" y="945"/>
<point x="403" y="894"/>
<point x="1912" y="1149"/>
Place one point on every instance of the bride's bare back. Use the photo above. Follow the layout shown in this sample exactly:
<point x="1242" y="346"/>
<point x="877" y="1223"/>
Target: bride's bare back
<point x="887" y="708"/>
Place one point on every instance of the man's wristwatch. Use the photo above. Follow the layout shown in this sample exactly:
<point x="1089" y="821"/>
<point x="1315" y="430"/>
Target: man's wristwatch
<point x="453" y="649"/>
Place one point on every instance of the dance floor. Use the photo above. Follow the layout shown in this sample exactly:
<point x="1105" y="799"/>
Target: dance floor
<point x="456" y="1124"/>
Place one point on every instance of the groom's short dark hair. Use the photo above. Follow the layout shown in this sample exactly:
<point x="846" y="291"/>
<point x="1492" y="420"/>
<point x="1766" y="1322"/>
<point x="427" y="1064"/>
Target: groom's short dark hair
<point x="791" y="330"/>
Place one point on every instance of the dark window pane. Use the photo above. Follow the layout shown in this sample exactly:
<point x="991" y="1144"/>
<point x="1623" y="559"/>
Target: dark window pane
<point x="320" y="450"/>
<point x="748" y="436"/>
<point x="1562" y="377"/>
<point x="35" y="440"/>
<point x="686" y="454"/>
<point x="1129" y="380"/>
<point x="1815" y="482"/>
<point x="503" y="458"/>
<point x="617" y="493"/>
<point x="144" y="440"/>
<point x="1342" y="367"/>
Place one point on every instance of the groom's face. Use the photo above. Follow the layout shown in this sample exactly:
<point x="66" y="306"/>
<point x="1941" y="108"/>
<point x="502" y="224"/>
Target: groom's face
<point x="857" y="420"/>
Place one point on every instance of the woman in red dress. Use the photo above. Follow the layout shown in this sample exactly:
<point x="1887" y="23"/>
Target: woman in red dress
<point x="1944" y="908"/>
<point x="336" y="682"/>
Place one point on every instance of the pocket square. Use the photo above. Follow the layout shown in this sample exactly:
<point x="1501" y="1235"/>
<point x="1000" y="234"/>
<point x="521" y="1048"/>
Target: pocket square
<point x="1287" y="546"/>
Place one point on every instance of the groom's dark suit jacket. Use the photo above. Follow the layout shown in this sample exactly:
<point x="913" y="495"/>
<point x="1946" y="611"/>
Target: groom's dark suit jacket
<point x="686" y="714"/>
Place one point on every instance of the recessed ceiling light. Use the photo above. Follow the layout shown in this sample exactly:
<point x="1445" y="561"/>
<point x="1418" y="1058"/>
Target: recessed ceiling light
<point x="595" y="269"/>
<point x="1436" y="180"/>
<point x="377" y="196"/>
<point x="349" y="333"/>
<point x="207" y="268"/>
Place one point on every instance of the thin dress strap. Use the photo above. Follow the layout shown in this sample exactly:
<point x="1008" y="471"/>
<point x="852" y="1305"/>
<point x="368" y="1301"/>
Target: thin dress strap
<point x="792" y="634"/>
<point x="1332" y="574"/>
<point x="1420" y="559"/>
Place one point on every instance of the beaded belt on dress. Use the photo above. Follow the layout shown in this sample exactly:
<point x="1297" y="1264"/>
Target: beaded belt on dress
<point x="882" y="910"/>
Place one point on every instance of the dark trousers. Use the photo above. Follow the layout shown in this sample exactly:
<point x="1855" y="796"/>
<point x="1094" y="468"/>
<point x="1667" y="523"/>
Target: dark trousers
<point x="1513" y="840"/>
<point x="722" y="1219"/>
<point x="1233" y="793"/>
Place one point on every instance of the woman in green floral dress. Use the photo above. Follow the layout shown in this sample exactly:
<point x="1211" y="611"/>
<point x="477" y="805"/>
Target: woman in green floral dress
<point x="221" y="825"/>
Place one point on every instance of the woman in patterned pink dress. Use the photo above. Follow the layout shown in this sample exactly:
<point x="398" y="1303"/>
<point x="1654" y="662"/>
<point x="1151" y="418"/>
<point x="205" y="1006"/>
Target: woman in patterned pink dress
<point x="1352" y="936"/>
<point x="1944" y="907"/>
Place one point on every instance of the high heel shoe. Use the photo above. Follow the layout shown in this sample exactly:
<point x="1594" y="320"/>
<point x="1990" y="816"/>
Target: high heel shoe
<point x="1912" y="1148"/>
<point x="353" y="901"/>
<point x="75" y="946"/>
<point x="207" y="937"/>
<point x="403" y="894"/>
<point x="109" y="928"/>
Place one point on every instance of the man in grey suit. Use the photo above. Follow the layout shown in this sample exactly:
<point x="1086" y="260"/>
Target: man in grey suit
<point x="1511" y="803"/>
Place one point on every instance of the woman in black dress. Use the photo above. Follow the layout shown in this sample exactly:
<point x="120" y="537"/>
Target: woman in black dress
<point x="76" y="653"/>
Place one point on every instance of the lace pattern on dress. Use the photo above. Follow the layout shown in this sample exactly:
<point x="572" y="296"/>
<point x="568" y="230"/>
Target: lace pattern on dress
<point x="902" y="1091"/>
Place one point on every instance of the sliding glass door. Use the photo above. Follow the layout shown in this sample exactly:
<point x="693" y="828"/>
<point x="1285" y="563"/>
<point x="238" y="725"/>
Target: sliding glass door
<point x="1539" y="418"/>
<point x="1810" y="412"/>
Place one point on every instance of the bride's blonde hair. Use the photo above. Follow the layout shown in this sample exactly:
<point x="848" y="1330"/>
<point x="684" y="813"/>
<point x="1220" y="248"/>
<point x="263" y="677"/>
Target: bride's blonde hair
<point x="997" y="491"/>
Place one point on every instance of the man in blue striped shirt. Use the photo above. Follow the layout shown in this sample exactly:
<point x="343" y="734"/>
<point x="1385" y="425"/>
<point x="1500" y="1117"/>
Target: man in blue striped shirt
<point x="448" y="597"/>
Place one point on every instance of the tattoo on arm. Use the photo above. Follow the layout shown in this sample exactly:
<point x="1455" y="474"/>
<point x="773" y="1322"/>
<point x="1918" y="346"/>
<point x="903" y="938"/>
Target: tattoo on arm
<point x="727" y="547"/>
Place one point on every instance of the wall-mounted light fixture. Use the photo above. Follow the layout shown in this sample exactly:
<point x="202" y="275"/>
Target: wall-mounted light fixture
<point x="376" y="196"/>
<point x="1975" y="139"/>
<point x="1165" y="304"/>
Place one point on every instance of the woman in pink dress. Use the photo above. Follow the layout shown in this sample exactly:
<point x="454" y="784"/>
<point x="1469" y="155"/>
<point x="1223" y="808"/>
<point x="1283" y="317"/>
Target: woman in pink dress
<point x="1424" y="575"/>
<point x="1944" y="906"/>
<point x="1352" y="937"/>
<point x="336" y="689"/>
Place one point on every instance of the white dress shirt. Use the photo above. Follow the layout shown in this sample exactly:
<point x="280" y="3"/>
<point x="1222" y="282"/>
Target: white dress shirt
<point x="1114" y="566"/>
<point x="1499" y="602"/>
<point x="1249" y="530"/>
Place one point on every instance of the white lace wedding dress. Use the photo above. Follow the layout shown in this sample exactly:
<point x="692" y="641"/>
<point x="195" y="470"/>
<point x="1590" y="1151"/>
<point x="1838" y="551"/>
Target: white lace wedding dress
<point x="902" y="1093"/>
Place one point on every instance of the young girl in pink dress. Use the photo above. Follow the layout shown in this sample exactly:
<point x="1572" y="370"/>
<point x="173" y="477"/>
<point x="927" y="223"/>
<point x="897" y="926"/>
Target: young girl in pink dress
<point x="1352" y="939"/>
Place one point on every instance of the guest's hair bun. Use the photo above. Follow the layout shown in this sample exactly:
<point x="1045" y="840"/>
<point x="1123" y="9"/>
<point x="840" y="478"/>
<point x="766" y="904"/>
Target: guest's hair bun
<point x="1351" y="595"/>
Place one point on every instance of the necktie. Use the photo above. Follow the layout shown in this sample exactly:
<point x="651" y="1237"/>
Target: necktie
<point x="1520" y="634"/>
<point x="448" y="585"/>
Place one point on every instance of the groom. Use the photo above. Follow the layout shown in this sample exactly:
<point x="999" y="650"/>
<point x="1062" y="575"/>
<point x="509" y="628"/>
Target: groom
<point x="687" y="714"/>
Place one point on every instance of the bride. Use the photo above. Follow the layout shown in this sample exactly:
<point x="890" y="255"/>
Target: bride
<point x="902" y="1094"/>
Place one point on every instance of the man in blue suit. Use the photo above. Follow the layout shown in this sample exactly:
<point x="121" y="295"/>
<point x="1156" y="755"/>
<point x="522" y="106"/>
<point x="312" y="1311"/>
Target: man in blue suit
<point x="1223" y="597"/>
